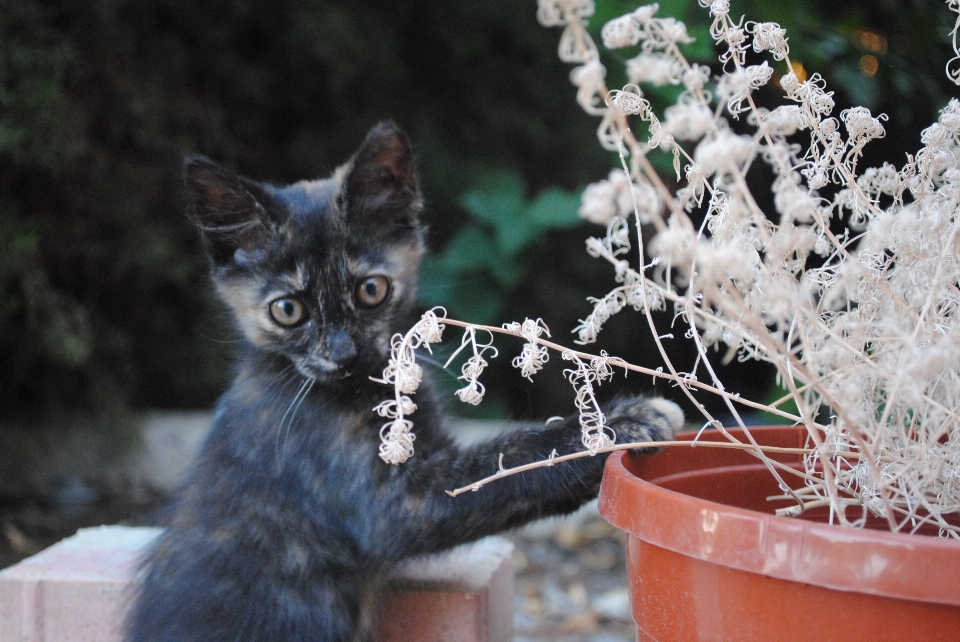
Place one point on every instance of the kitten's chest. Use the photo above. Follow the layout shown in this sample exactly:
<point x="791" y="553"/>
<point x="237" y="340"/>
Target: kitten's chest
<point x="331" y="452"/>
<point x="317" y="456"/>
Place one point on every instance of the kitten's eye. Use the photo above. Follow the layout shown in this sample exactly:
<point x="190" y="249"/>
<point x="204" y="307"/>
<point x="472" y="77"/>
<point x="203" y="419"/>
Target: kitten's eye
<point x="373" y="290"/>
<point x="287" y="312"/>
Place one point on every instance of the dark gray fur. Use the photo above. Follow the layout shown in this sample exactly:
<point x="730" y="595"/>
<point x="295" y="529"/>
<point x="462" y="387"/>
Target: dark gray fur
<point x="290" y="523"/>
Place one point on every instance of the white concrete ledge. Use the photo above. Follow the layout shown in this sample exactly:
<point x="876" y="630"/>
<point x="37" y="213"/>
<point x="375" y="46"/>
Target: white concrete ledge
<point x="77" y="591"/>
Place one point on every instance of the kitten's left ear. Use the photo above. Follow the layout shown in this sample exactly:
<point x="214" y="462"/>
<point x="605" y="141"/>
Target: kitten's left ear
<point x="381" y="187"/>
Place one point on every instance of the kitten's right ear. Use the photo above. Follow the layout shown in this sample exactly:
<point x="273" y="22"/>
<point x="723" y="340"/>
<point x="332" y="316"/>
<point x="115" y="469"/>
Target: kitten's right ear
<point x="227" y="209"/>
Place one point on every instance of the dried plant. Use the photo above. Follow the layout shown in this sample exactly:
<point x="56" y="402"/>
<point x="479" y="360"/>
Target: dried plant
<point x="862" y="327"/>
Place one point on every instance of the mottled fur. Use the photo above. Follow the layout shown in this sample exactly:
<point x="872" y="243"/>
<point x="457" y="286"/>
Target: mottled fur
<point x="290" y="523"/>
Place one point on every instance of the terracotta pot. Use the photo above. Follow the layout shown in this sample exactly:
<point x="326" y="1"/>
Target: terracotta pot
<point x="708" y="560"/>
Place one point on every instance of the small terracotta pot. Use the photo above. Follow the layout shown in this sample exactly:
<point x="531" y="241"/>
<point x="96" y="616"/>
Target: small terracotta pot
<point x="708" y="560"/>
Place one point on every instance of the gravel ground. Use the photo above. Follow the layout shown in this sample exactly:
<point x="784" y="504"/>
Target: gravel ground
<point x="570" y="581"/>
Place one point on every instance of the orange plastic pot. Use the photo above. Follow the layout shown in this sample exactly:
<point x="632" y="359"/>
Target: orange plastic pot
<point x="708" y="560"/>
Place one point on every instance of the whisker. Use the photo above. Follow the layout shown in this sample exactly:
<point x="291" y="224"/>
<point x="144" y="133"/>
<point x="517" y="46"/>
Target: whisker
<point x="280" y="383"/>
<point x="290" y="406"/>
<point x="294" y="414"/>
<point x="291" y="411"/>
<point x="438" y="364"/>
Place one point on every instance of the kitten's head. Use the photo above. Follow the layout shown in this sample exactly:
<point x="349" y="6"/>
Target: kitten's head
<point x="318" y="271"/>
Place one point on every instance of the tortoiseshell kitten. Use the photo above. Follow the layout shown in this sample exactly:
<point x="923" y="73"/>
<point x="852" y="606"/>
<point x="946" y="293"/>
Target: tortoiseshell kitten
<point x="290" y="523"/>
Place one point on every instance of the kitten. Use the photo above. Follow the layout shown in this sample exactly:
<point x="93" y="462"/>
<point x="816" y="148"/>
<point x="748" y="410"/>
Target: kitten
<point x="290" y="523"/>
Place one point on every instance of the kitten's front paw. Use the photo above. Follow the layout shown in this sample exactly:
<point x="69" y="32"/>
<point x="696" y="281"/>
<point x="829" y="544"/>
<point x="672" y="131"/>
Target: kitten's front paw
<point x="636" y="419"/>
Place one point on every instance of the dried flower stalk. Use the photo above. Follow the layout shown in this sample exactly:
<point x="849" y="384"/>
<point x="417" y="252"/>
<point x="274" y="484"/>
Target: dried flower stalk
<point x="863" y="328"/>
<point x="867" y="333"/>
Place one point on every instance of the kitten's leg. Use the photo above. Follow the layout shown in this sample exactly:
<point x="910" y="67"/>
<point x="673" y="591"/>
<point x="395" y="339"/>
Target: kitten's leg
<point x="435" y="521"/>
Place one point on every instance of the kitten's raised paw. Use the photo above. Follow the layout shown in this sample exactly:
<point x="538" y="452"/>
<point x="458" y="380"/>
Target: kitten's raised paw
<point x="637" y="419"/>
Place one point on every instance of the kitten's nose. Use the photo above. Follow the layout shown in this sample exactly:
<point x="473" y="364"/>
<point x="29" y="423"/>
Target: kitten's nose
<point x="340" y="348"/>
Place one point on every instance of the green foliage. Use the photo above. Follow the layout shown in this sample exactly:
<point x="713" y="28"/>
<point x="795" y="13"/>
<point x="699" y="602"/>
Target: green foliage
<point x="776" y="393"/>
<point x="104" y="301"/>
<point x="17" y="242"/>
<point x="34" y="64"/>
<point x="491" y="253"/>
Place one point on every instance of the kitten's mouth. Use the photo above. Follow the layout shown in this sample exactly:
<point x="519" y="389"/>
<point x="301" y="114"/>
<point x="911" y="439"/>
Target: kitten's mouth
<point x="328" y="371"/>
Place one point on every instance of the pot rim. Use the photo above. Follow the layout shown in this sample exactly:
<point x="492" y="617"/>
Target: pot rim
<point x="913" y="567"/>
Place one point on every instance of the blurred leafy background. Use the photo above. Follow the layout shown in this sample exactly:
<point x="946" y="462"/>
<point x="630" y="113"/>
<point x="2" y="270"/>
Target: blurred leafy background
<point x="104" y="303"/>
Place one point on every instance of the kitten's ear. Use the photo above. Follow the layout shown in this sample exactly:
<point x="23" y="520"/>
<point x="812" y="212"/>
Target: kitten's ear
<point x="381" y="187"/>
<point x="227" y="210"/>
